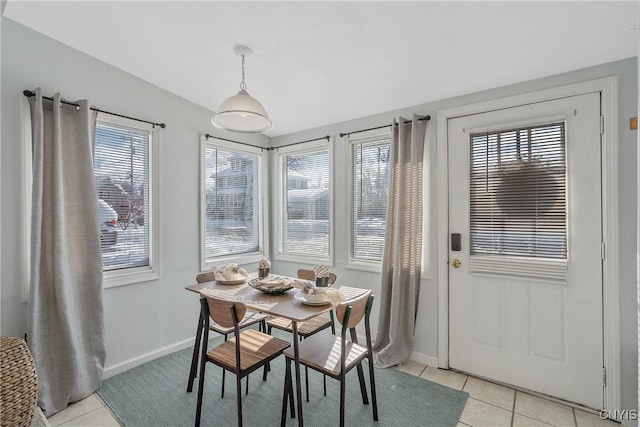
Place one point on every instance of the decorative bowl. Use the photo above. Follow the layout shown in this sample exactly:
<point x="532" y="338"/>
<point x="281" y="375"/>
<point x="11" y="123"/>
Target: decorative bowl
<point x="269" y="288"/>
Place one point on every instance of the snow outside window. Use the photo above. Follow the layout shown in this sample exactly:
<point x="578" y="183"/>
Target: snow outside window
<point x="305" y="202"/>
<point x="370" y="190"/>
<point x="232" y="229"/>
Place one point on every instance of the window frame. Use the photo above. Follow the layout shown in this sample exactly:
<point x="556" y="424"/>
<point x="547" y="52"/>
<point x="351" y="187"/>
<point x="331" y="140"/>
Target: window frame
<point x="261" y="178"/>
<point x="278" y="183"/>
<point x="112" y="278"/>
<point x="128" y="276"/>
<point x="352" y="141"/>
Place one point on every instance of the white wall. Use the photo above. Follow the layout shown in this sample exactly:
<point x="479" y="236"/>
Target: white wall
<point x="144" y="318"/>
<point x="426" y="337"/>
<point x="140" y="318"/>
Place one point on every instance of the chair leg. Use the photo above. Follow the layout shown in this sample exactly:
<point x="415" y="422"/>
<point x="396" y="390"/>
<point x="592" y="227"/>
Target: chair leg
<point x="200" y="390"/>
<point x="269" y="333"/>
<point x="292" y="405"/>
<point x="224" y="371"/>
<point x="287" y="394"/>
<point x="333" y="323"/>
<point x="324" y="384"/>
<point x="193" y="373"/>
<point x="239" y="398"/>
<point x="333" y="331"/>
<point x="306" y="381"/>
<point x="372" y="380"/>
<point x="363" y="387"/>
<point x="247" y="386"/>
<point x="342" y="397"/>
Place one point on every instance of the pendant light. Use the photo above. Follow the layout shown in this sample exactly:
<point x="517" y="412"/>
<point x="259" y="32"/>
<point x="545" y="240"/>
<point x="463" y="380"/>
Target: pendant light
<point x="241" y="112"/>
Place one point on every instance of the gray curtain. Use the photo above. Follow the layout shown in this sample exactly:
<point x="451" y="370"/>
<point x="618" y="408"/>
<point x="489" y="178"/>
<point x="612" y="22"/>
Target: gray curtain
<point x="401" y="261"/>
<point x="65" y="323"/>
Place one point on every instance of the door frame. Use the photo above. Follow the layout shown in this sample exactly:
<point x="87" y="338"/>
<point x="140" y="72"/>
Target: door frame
<point x="608" y="88"/>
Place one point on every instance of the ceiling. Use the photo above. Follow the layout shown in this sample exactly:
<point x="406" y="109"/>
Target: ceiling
<point x="317" y="63"/>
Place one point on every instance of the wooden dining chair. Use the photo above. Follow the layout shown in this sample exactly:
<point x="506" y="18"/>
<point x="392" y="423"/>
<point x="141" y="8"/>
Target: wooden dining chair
<point x="250" y="318"/>
<point x="244" y="353"/>
<point x="336" y="356"/>
<point x="308" y="328"/>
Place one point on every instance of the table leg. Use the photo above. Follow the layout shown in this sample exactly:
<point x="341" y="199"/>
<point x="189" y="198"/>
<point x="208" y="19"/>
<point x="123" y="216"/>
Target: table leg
<point x="296" y="353"/>
<point x="196" y="348"/>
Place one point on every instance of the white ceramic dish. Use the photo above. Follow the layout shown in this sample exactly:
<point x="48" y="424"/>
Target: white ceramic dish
<point x="317" y="299"/>
<point x="231" y="282"/>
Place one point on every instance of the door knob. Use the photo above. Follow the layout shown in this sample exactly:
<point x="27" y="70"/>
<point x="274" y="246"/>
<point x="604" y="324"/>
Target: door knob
<point x="456" y="263"/>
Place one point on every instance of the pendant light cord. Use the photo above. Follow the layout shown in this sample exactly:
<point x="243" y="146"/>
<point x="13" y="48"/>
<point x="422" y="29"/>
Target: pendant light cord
<point x="243" y="85"/>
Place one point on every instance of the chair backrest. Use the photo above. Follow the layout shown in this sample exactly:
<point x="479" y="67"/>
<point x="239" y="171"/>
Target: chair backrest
<point x="310" y="275"/>
<point x="224" y="312"/>
<point x="208" y="276"/>
<point x="359" y="307"/>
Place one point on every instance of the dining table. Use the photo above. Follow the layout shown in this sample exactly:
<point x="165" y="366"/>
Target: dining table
<point x="287" y="305"/>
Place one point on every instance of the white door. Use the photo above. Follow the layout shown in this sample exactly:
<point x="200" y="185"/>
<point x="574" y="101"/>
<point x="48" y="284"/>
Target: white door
<point x="525" y="289"/>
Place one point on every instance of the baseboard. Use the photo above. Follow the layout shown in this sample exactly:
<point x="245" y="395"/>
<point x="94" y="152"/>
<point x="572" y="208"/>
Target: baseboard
<point x="425" y="359"/>
<point x="416" y="357"/>
<point x="136" y="361"/>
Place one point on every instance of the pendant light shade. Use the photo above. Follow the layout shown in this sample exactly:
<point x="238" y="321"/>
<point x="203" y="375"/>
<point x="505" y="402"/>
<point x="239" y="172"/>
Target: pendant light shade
<point x="241" y="112"/>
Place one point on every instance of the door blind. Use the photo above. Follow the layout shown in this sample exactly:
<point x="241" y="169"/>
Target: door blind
<point x="518" y="192"/>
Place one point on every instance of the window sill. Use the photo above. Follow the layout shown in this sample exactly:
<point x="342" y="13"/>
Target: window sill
<point x="305" y="259"/>
<point x="250" y="260"/>
<point x="114" y="279"/>
<point x="372" y="266"/>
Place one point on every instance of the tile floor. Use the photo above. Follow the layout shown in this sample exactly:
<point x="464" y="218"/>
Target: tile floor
<point x="492" y="405"/>
<point x="489" y="405"/>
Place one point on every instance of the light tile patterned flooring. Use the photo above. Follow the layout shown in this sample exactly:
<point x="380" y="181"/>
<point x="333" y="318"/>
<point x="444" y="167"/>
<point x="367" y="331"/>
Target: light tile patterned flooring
<point x="492" y="405"/>
<point x="489" y="405"/>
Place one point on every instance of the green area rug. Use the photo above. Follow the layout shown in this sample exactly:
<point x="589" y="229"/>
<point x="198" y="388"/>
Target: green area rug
<point x="154" y="394"/>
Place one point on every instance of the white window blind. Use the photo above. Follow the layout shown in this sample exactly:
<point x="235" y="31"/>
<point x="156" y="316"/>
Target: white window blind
<point x="305" y="204"/>
<point x="518" y="192"/>
<point x="122" y="172"/>
<point x="370" y="189"/>
<point x="232" y="200"/>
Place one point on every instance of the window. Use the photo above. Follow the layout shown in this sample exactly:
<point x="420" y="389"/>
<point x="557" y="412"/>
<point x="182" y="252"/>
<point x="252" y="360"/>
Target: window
<point x="305" y="208"/>
<point x="518" y="192"/>
<point x="125" y="165"/>
<point x="232" y="225"/>
<point x="370" y="189"/>
<point x="123" y="169"/>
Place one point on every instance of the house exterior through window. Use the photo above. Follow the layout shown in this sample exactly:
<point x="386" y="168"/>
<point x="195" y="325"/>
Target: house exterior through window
<point x="232" y="224"/>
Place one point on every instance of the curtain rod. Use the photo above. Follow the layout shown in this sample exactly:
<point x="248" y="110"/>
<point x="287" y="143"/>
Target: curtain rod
<point x="29" y="94"/>
<point x="236" y="142"/>
<point x="343" y="134"/>
<point x="327" y="137"/>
